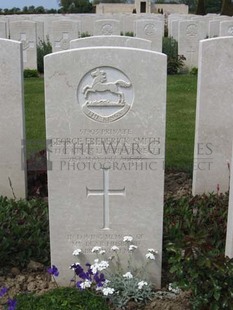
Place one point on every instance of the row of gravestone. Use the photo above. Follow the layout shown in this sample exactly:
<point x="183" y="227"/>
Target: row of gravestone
<point x="105" y="127"/>
<point x="188" y="30"/>
<point x="61" y="32"/>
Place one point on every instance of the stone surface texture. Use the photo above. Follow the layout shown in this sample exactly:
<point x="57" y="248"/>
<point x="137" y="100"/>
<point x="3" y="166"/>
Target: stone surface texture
<point x="12" y="173"/>
<point x="107" y="179"/>
<point x="214" y="125"/>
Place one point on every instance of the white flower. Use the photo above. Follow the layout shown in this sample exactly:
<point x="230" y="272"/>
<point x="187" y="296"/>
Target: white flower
<point x="86" y="283"/>
<point x="150" y="256"/>
<point x="102" y="252"/>
<point x="77" y="252"/>
<point x="153" y="251"/>
<point x="99" y="266"/>
<point x="132" y="247"/>
<point x="108" y="291"/>
<point x="96" y="249"/>
<point x="141" y="284"/>
<point x="128" y="238"/>
<point x="114" y="248"/>
<point x="128" y="275"/>
<point x="175" y="290"/>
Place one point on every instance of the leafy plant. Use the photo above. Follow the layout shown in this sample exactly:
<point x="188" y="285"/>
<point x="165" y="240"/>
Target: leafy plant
<point x="43" y="48"/>
<point x="30" y="73"/>
<point x="109" y="276"/>
<point x="195" y="229"/>
<point x="24" y="232"/>
<point x="85" y="34"/>
<point x="62" y="298"/>
<point x="127" y="33"/>
<point x="175" y="62"/>
<point x="194" y="71"/>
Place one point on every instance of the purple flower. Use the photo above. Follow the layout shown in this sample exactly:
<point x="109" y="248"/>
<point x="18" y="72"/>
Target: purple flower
<point x="3" y="291"/>
<point x="99" y="279"/>
<point x="11" y="304"/>
<point x="78" y="270"/>
<point x="53" y="271"/>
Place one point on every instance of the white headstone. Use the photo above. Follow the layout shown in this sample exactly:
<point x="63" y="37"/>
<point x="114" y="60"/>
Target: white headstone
<point x="12" y="133"/>
<point x="214" y="28"/>
<point x="150" y="30"/>
<point x="107" y="27"/>
<point x="3" y="33"/>
<point x="111" y="41"/>
<point x="214" y="116"/>
<point x="25" y="32"/>
<point x="226" y="28"/>
<point x="229" y="235"/>
<point x="188" y="40"/>
<point x="63" y="31"/>
<point x="105" y="116"/>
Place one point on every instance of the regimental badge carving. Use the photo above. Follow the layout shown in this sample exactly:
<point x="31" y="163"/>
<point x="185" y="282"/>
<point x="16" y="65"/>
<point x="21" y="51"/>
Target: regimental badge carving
<point x="107" y="29"/>
<point x="230" y="31"/>
<point x="105" y="94"/>
<point x="150" y="29"/>
<point x="192" y="30"/>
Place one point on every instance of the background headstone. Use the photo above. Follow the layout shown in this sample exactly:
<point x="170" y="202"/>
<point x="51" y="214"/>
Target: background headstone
<point x="12" y="132"/>
<point x="105" y="116"/>
<point x="150" y="30"/>
<point x="188" y="40"/>
<point x="229" y="235"/>
<point x="63" y="31"/>
<point x="214" y="116"/>
<point x="25" y="32"/>
<point x="3" y="33"/>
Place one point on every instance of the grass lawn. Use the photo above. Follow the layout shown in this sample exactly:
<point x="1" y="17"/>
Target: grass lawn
<point x="181" y="102"/>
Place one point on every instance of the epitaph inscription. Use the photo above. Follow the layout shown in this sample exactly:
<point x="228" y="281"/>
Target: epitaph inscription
<point x="105" y="94"/>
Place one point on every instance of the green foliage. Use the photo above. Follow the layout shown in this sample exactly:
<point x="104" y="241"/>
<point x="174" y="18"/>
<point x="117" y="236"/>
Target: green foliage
<point x="62" y="298"/>
<point x="175" y="62"/>
<point x="24" y="232"/>
<point x="76" y="6"/>
<point x="30" y="73"/>
<point x="43" y="48"/>
<point x="180" y="125"/>
<point x="194" y="71"/>
<point x="127" y="290"/>
<point x="85" y="34"/>
<point x="127" y="34"/>
<point x="194" y="241"/>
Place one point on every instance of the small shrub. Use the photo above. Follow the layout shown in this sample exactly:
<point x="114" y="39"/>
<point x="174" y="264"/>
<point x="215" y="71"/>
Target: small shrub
<point x="85" y="34"/>
<point x="43" y="48"/>
<point x="194" y="244"/>
<point x="129" y="34"/>
<point x="194" y="71"/>
<point x="30" y="73"/>
<point x="24" y="232"/>
<point x="175" y="62"/>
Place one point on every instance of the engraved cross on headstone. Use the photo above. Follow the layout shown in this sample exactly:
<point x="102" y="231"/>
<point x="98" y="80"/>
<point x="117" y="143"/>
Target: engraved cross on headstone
<point x="64" y="41"/>
<point x="26" y="45"/>
<point x="105" y="192"/>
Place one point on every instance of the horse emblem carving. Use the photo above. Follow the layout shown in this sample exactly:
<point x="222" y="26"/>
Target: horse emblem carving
<point x="100" y="84"/>
<point x="105" y="94"/>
